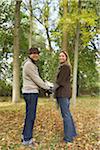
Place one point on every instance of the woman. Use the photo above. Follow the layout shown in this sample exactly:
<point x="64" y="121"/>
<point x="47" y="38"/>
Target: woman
<point x="63" y="95"/>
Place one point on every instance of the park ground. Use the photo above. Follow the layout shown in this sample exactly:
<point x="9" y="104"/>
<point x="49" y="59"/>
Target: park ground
<point x="48" y="130"/>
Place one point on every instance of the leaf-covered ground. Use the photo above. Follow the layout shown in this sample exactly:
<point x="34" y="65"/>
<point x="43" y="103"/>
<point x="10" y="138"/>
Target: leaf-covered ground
<point x="48" y="130"/>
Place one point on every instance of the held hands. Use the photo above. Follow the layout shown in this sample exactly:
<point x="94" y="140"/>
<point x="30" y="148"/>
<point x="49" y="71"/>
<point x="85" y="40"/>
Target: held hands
<point x="51" y="85"/>
<point x="50" y="90"/>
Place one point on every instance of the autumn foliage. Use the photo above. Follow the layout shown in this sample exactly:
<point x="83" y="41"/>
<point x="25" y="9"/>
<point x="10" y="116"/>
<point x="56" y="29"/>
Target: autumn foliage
<point x="48" y="129"/>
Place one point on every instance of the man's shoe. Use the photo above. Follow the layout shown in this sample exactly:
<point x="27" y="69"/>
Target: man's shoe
<point x="33" y="145"/>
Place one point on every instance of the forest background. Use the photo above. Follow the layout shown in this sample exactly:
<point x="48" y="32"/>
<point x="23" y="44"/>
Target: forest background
<point x="51" y="26"/>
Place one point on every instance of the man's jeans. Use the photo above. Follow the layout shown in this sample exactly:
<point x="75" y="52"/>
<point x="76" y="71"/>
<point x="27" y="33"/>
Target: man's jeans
<point x="31" y="105"/>
<point x="69" y="128"/>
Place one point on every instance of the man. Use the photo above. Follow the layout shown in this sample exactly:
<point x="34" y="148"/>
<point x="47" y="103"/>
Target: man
<point x="31" y="83"/>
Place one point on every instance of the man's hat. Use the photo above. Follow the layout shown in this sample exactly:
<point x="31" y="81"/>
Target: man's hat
<point x="34" y="50"/>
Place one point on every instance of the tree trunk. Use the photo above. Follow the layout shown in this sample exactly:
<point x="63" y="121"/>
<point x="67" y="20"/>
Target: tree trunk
<point x="48" y="38"/>
<point x="74" y="90"/>
<point x="31" y="24"/>
<point x="16" y="84"/>
<point x="64" y="30"/>
<point x="66" y="10"/>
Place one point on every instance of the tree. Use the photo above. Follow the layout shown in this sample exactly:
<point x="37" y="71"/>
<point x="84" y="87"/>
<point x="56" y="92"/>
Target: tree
<point x="50" y="14"/>
<point x="6" y="15"/>
<point x="88" y="52"/>
<point x="74" y="91"/>
<point x="16" y="81"/>
<point x="31" y="23"/>
<point x="64" y="29"/>
<point x="43" y="19"/>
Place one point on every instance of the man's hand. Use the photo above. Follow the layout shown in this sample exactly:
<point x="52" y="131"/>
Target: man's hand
<point x="51" y="85"/>
<point x="49" y="91"/>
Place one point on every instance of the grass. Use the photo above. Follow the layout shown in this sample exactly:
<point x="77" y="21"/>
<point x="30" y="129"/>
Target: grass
<point x="48" y="128"/>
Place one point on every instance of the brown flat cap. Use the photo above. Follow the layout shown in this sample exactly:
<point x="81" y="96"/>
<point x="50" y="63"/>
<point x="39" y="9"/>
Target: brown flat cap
<point x="34" y="50"/>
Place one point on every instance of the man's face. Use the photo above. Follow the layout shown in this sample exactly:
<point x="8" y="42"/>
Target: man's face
<point x="35" y="56"/>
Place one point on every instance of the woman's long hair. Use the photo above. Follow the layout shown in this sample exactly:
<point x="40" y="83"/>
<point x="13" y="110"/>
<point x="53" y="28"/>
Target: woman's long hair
<point x="68" y="62"/>
<point x="67" y="58"/>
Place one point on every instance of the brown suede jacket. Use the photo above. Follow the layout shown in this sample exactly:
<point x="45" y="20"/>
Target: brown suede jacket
<point x="63" y="82"/>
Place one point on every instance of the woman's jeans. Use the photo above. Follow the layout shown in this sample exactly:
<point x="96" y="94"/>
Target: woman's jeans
<point x="31" y="105"/>
<point x="69" y="128"/>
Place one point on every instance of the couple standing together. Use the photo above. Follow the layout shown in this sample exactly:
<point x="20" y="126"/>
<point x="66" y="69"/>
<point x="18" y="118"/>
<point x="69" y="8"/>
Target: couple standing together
<point x="62" y="89"/>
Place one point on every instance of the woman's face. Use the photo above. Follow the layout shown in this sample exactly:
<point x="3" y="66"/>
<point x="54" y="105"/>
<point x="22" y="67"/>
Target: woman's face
<point x="62" y="57"/>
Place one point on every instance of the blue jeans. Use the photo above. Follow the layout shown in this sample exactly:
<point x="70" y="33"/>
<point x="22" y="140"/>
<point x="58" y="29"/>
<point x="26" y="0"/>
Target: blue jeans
<point x="31" y="105"/>
<point x="69" y="127"/>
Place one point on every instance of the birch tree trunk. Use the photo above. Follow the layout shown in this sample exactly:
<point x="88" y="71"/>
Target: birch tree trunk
<point x="75" y="68"/>
<point x="16" y="84"/>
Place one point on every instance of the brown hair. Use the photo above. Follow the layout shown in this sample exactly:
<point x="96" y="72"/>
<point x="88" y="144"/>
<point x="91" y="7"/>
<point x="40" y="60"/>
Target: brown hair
<point x="65" y="53"/>
<point x="33" y="50"/>
<point x="67" y="57"/>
